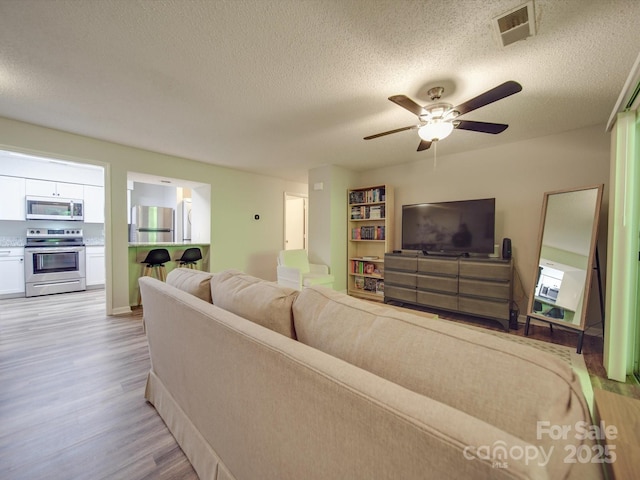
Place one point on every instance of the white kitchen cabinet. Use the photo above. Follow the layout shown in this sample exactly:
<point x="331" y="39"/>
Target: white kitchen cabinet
<point x="96" y="274"/>
<point x="12" y="202"/>
<point x="93" y="204"/>
<point x="11" y="271"/>
<point x="45" y="188"/>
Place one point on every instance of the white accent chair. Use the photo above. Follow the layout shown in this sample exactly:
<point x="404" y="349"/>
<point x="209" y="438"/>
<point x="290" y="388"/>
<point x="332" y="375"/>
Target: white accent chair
<point x="295" y="271"/>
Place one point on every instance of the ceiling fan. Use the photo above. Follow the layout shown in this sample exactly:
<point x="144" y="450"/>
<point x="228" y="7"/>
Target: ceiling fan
<point x="438" y="120"/>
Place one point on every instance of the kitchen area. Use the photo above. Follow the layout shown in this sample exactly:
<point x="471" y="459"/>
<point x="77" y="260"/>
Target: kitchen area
<point x="162" y="215"/>
<point x="52" y="225"/>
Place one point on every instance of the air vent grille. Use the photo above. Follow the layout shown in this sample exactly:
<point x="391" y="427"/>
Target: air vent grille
<point x="515" y="25"/>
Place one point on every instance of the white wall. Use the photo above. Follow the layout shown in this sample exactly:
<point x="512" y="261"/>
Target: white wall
<point x="328" y="220"/>
<point x="237" y="240"/>
<point x="517" y="175"/>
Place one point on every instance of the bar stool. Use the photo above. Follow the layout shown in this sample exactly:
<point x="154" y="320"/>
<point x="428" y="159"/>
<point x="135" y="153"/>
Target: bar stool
<point x="190" y="258"/>
<point x="154" y="262"/>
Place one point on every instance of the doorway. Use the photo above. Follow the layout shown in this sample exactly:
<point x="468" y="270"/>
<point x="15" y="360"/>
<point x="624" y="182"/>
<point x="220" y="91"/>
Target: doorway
<point x="295" y="221"/>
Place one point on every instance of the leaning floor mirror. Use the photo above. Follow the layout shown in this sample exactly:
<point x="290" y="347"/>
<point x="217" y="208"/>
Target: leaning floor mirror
<point x="567" y="258"/>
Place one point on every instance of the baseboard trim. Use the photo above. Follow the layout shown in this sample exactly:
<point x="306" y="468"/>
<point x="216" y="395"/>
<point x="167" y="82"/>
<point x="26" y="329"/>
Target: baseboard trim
<point x="120" y="311"/>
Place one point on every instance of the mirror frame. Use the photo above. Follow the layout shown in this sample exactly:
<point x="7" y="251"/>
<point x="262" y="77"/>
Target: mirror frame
<point x="590" y="262"/>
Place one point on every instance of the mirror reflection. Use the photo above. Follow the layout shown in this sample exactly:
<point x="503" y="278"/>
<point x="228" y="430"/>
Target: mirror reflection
<point x="566" y="252"/>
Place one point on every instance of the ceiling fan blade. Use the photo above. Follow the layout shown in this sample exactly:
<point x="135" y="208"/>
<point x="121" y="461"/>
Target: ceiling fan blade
<point x="411" y="127"/>
<point x="482" y="127"/>
<point x="493" y="95"/>
<point x="424" y="145"/>
<point x="406" y="102"/>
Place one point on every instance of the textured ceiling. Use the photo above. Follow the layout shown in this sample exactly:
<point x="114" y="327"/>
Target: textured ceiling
<point x="279" y="87"/>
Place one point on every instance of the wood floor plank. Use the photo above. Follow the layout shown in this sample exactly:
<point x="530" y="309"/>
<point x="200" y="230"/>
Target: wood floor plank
<point x="72" y="394"/>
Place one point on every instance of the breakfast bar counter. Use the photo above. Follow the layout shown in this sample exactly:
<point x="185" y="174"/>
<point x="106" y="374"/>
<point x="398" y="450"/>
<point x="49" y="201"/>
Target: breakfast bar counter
<point x="138" y="252"/>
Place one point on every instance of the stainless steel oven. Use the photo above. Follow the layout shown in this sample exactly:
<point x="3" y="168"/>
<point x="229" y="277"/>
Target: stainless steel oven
<point x="54" y="261"/>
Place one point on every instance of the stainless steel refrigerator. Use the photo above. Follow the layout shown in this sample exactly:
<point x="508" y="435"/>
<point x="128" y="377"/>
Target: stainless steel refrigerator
<point x="152" y="224"/>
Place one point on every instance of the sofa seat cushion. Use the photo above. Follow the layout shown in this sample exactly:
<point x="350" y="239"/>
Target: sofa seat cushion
<point x="263" y="302"/>
<point x="503" y="383"/>
<point x="195" y="282"/>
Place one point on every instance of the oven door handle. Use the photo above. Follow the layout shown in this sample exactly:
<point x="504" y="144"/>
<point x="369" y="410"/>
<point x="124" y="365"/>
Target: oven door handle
<point x="54" y="250"/>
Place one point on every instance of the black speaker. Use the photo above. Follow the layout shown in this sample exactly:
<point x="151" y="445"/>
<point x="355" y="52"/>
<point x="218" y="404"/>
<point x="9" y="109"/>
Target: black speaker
<point x="506" y="248"/>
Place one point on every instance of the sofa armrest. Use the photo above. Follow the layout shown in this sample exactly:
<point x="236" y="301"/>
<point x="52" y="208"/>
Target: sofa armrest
<point x="318" y="269"/>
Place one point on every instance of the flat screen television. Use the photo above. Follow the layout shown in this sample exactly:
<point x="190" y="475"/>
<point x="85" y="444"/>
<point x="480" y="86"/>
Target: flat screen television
<point x="460" y="227"/>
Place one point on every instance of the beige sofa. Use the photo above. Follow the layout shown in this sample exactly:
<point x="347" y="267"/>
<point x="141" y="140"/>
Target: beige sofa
<point x="269" y="383"/>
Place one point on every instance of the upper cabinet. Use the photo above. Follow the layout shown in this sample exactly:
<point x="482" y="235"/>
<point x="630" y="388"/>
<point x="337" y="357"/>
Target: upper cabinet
<point x="44" y="188"/>
<point x="93" y="204"/>
<point x="13" y="191"/>
<point x="12" y="203"/>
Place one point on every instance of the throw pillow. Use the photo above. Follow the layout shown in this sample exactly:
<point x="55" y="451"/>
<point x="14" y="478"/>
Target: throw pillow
<point x="191" y="281"/>
<point x="260" y="301"/>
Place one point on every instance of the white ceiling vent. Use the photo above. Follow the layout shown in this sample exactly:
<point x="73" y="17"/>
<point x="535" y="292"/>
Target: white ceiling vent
<point x="516" y="24"/>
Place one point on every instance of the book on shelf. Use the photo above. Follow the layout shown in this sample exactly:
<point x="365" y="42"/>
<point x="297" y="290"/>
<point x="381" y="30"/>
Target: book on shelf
<point x="368" y="232"/>
<point x="372" y="195"/>
<point x="366" y="212"/>
<point x="370" y="284"/>
<point x="359" y="267"/>
<point x="376" y="212"/>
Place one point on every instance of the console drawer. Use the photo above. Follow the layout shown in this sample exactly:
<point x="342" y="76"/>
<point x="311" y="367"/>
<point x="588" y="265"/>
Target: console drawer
<point x="479" y="288"/>
<point x="401" y="262"/>
<point x="398" y="293"/>
<point x="484" y="308"/>
<point x="494" y="270"/>
<point x="438" y="283"/>
<point x="437" y="300"/>
<point x="440" y="266"/>
<point x="399" y="278"/>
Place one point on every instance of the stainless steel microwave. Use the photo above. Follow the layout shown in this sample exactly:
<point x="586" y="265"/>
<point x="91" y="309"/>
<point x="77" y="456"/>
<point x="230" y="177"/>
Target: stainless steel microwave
<point x="47" y="208"/>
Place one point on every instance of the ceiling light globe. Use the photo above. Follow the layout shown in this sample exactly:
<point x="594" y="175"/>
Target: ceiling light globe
<point x="434" y="131"/>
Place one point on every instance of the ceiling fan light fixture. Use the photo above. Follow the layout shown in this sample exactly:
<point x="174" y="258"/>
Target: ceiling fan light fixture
<point x="435" y="130"/>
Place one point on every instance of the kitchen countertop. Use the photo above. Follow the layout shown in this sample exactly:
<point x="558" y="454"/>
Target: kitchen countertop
<point x="166" y="244"/>
<point x="94" y="242"/>
<point x="8" y="242"/>
<point x="17" y="242"/>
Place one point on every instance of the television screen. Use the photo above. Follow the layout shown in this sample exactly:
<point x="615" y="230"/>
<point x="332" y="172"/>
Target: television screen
<point x="459" y="227"/>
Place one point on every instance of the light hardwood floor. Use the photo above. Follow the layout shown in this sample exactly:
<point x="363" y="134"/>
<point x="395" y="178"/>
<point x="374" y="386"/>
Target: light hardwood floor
<point x="72" y="394"/>
<point x="72" y="391"/>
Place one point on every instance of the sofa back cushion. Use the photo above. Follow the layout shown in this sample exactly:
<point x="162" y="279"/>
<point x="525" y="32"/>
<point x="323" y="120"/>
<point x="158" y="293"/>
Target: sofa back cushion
<point x="506" y="384"/>
<point x="191" y="281"/>
<point x="263" y="302"/>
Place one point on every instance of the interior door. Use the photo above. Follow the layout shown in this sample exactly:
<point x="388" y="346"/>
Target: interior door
<point x="295" y="222"/>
